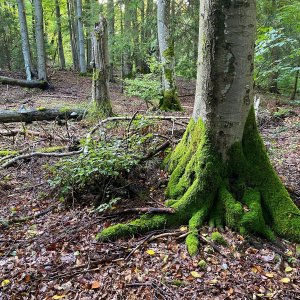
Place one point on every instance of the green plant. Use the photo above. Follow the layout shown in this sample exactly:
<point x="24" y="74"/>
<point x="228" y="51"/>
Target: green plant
<point x="145" y="86"/>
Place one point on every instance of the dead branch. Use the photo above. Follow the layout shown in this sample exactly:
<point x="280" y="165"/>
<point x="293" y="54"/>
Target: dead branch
<point x="41" y="84"/>
<point x="38" y="154"/>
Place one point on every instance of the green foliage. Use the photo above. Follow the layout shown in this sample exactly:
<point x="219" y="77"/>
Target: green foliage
<point x="145" y="86"/>
<point x="104" y="162"/>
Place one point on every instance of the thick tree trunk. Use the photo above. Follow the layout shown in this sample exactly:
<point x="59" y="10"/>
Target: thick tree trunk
<point x="111" y="36"/>
<point x="40" y="44"/>
<point x="220" y="170"/>
<point x="100" y="62"/>
<point x="61" y="54"/>
<point x="25" y="40"/>
<point x="41" y="84"/>
<point x="82" y="62"/>
<point x="170" y="99"/>
<point x="42" y="114"/>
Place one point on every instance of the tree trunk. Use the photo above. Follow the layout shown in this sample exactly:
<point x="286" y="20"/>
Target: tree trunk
<point x="25" y="40"/>
<point x="82" y="62"/>
<point x="100" y="62"/>
<point x="42" y="114"/>
<point x="62" y="62"/>
<point x="41" y="84"/>
<point x="294" y="93"/>
<point x="111" y="36"/>
<point x="220" y="171"/>
<point x="127" y="58"/>
<point x="72" y="32"/>
<point x="169" y="99"/>
<point x="40" y="44"/>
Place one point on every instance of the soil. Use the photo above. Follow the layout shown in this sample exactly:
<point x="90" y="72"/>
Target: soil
<point x="56" y="256"/>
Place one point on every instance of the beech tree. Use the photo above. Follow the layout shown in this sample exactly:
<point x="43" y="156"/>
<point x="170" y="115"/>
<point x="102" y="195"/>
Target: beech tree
<point x="59" y="36"/>
<point x="40" y="44"/>
<point x="220" y="170"/>
<point x="170" y="99"/>
<point x="25" y="40"/>
<point x="82" y="62"/>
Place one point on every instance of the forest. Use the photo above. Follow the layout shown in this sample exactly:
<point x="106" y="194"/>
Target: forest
<point x="149" y="149"/>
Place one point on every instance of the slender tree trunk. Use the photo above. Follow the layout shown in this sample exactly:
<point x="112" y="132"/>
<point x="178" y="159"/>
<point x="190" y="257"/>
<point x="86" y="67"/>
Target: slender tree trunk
<point x="82" y="62"/>
<point x="40" y="44"/>
<point x="25" y="40"/>
<point x="72" y="35"/>
<point x="111" y="34"/>
<point x="294" y="93"/>
<point x="166" y="49"/>
<point x="100" y="62"/>
<point x="127" y="57"/>
<point x="62" y="62"/>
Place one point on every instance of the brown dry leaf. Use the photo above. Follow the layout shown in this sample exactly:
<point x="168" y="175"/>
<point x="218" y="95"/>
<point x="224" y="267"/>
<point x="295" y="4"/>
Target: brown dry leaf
<point x="96" y="285"/>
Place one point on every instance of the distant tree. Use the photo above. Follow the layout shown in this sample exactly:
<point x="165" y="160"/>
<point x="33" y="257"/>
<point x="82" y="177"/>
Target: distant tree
<point x="82" y="62"/>
<point x="59" y="36"/>
<point x="40" y="44"/>
<point x="170" y="99"/>
<point x="25" y="40"/>
<point x="100" y="62"/>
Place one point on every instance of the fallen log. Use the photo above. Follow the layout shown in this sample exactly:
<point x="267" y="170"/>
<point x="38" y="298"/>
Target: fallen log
<point x="41" y="84"/>
<point x="42" y="114"/>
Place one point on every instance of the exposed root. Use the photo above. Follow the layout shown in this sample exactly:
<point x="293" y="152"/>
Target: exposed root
<point x="245" y="194"/>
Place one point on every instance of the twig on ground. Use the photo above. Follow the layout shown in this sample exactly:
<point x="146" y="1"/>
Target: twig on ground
<point x="213" y="245"/>
<point x="38" y="154"/>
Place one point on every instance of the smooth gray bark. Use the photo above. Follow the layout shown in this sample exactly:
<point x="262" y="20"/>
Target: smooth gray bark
<point x="40" y="44"/>
<point x="224" y="92"/>
<point x="25" y="40"/>
<point x="82" y="62"/>
<point x="62" y="62"/>
<point x="100" y="61"/>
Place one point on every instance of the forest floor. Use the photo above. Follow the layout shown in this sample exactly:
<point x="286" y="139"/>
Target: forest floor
<point x="56" y="256"/>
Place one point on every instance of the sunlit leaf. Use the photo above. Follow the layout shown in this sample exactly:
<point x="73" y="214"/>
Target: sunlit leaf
<point x="195" y="274"/>
<point x="5" y="282"/>
<point x="150" y="252"/>
<point x="58" y="297"/>
<point x="285" y="280"/>
<point x="288" y="269"/>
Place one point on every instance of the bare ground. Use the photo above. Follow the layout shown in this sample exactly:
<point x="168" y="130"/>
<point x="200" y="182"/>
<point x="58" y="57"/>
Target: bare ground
<point x="56" y="255"/>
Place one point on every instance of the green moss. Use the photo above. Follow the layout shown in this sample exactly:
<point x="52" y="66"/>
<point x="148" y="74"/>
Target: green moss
<point x="253" y="219"/>
<point x="177" y="282"/>
<point x="8" y="152"/>
<point x="50" y="149"/>
<point x="170" y="101"/>
<point x="41" y="108"/>
<point x="169" y="52"/>
<point x="202" y="265"/>
<point x="168" y="73"/>
<point x="249" y="160"/>
<point x="233" y="209"/>
<point x="218" y="238"/>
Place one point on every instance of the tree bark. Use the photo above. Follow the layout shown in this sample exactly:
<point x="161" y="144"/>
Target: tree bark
<point x="25" y="40"/>
<point x="127" y="71"/>
<point x="73" y="34"/>
<point x="111" y="36"/>
<point x="294" y="93"/>
<point x="100" y="62"/>
<point x="220" y="170"/>
<point x="82" y="62"/>
<point x="169" y="99"/>
<point x="62" y="62"/>
<point x="43" y="114"/>
<point x="41" y="84"/>
<point x="40" y="44"/>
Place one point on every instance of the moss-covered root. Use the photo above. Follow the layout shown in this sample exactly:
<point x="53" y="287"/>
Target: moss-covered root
<point x="195" y="223"/>
<point x="141" y="225"/>
<point x="253" y="219"/>
<point x="170" y="101"/>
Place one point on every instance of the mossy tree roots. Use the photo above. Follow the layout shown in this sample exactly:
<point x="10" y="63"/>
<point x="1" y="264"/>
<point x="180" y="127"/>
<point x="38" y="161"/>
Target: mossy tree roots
<point x="244" y="193"/>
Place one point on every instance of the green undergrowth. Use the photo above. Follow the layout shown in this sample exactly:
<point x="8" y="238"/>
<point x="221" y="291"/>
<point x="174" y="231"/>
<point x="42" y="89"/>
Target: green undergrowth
<point x="8" y="152"/>
<point x="170" y="101"/>
<point x="244" y="193"/>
